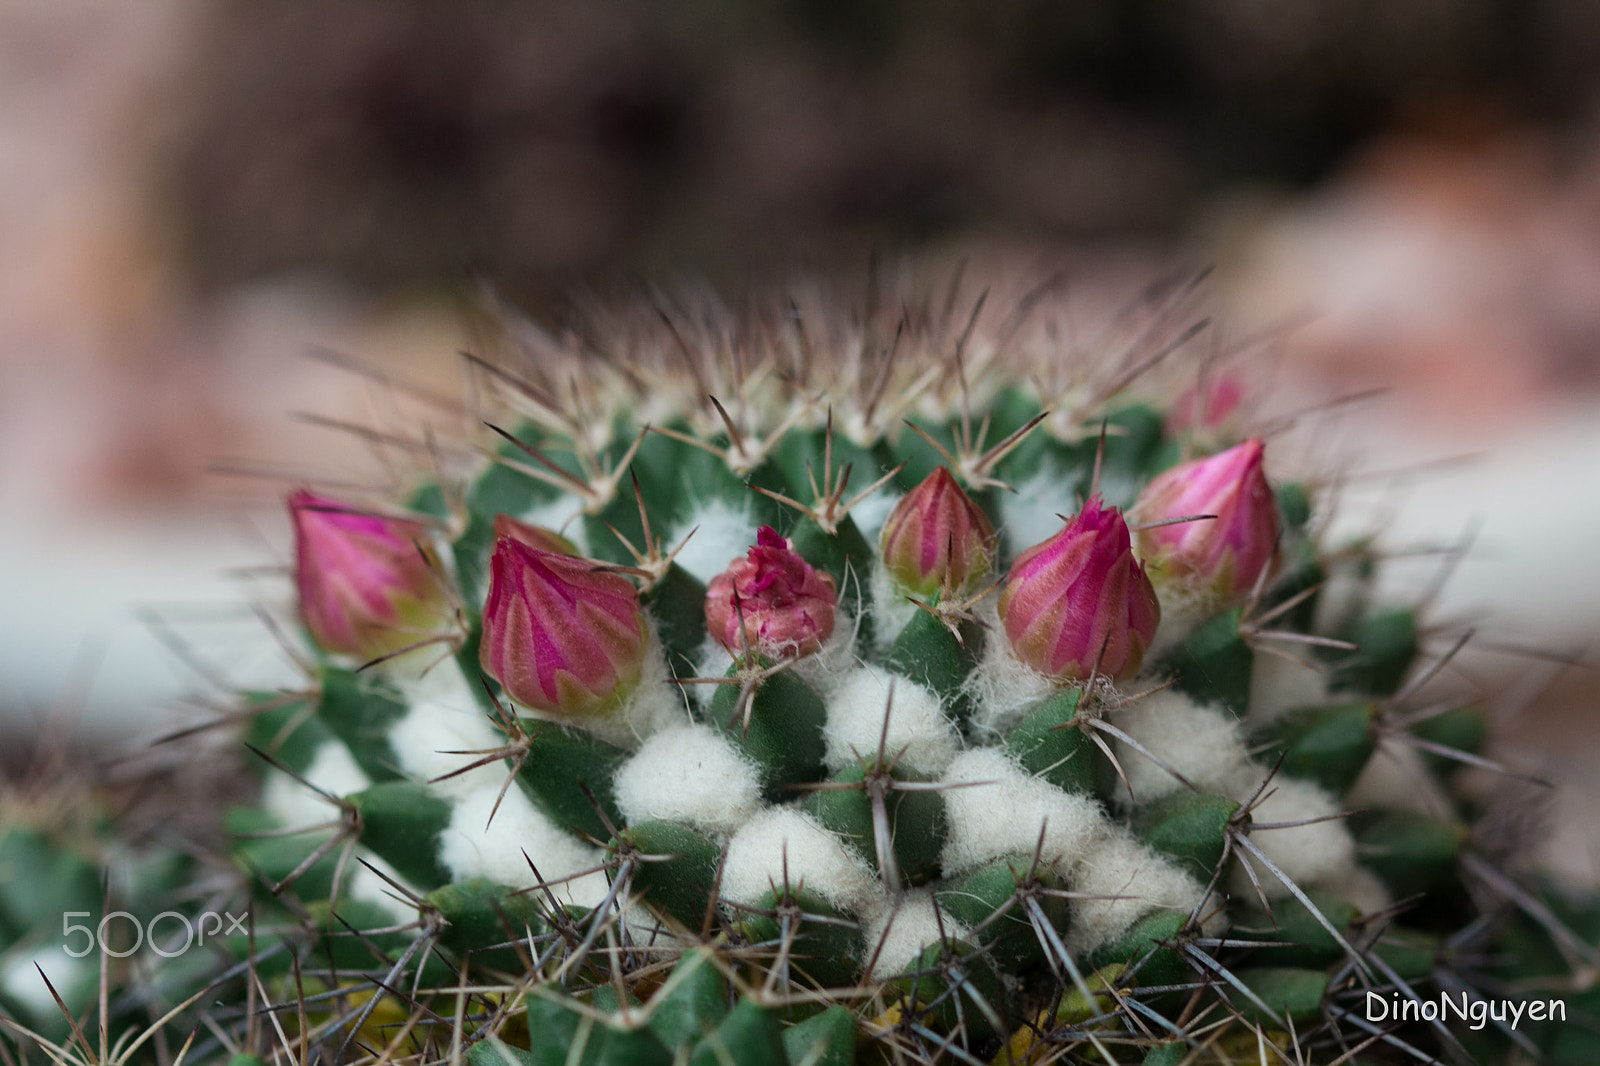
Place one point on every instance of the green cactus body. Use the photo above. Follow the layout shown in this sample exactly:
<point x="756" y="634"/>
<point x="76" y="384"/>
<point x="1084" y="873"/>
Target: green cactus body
<point x="763" y="808"/>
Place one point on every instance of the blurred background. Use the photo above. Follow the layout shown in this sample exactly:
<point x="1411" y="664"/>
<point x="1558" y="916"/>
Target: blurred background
<point x="194" y="195"/>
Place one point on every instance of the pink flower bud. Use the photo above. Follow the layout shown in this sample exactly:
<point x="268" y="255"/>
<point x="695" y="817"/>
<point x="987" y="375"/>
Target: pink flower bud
<point x="1079" y="597"/>
<point x="1209" y="409"/>
<point x="936" y="534"/>
<point x="1221" y="557"/>
<point x="366" y="584"/>
<point x="561" y="634"/>
<point x="787" y="604"/>
<point x="546" y="540"/>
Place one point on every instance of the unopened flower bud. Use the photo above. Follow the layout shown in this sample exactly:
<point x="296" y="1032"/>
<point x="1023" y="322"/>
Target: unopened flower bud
<point x="561" y="634"/>
<point x="787" y="605"/>
<point x="369" y="585"/>
<point x="1080" y="598"/>
<point x="545" y="540"/>
<point x="936" y="536"/>
<point x="1219" y="558"/>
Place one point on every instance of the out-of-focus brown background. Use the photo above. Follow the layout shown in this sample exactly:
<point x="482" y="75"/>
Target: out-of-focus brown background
<point x="193" y="194"/>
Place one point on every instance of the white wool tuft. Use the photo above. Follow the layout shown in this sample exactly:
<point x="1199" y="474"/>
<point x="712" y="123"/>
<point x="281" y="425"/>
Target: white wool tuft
<point x="1200" y="742"/>
<point x="820" y="670"/>
<point x="1395" y="778"/>
<point x="780" y="838"/>
<point x="1032" y="513"/>
<point x="890" y="609"/>
<point x="363" y="884"/>
<point x="824" y="669"/>
<point x="1118" y="864"/>
<point x="1003" y="687"/>
<point x="1318" y="852"/>
<point x="723" y="532"/>
<point x="1361" y="888"/>
<point x="1183" y="610"/>
<point x="1278" y="684"/>
<point x="445" y="717"/>
<point x="691" y="774"/>
<point x="561" y="515"/>
<point x="920" y="735"/>
<point x="332" y="769"/>
<point x="713" y="661"/>
<point x="21" y="983"/>
<point x="1005" y="812"/>
<point x="899" y="942"/>
<point x="871" y="513"/>
<point x="470" y="848"/>
<point x="657" y="703"/>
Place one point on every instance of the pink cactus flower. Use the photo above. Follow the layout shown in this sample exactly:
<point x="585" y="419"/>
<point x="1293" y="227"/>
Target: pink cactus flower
<point x="368" y="584"/>
<point x="546" y="540"/>
<point x="787" y="604"/>
<point x="1080" y="597"/>
<point x="561" y="634"/>
<point x="936" y="534"/>
<point x="1220" y="558"/>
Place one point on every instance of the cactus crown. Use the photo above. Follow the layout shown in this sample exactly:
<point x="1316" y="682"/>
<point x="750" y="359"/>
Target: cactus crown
<point x="688" y="772"/>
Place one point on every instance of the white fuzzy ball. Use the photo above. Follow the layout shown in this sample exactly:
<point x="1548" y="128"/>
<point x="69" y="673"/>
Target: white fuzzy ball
<point x="20" y="980"/>
<point x="691" y="774"/>
<point x="871" y="513"/>
<point x="1001" y="808"/>
<point x="1361" y="888"/>
<point x="1117" y="864"/>
<point x="332" y="769"/>
<point x="1278" y="684"/>
<point x="1396" y="778"/>
<point x="363" y="883"/>
<point x="1319" y="852"/>
<point x="1033" y="513"/>
<point x="920" y="736"/>
<point x="1202" y="743"/>
<point x="783" y="839"/>
<point x="1003" y="687"/>
<point x="1183" y="610"/>
<point x="722" y="533"/>
<point x="444" y="720"/>
<point x="560" y="513"/>
<point x="891" y="610"/>
<point x="897" y="931"/>
<point x="473" y="846"/>
<point x="829" y="664"/>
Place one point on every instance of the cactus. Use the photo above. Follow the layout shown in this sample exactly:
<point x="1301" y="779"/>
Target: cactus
<point x="98" y="919"/>
<point x="831" y="684"/>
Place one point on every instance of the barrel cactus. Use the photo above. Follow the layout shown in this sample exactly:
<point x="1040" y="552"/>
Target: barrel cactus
<point x="898" y="681"/>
